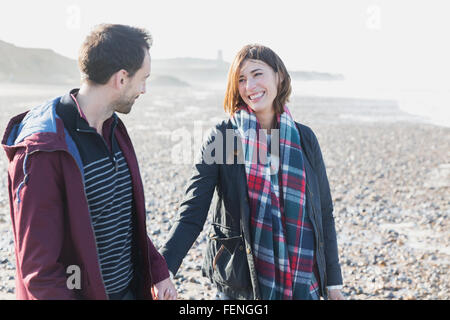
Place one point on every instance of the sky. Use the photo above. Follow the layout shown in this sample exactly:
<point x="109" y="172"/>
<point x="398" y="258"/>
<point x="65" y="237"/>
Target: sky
<point x="383" y="40"/>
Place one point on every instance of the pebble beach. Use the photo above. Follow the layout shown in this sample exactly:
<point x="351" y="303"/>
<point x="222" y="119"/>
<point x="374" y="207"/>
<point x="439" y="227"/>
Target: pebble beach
<point x="389" y="176"/>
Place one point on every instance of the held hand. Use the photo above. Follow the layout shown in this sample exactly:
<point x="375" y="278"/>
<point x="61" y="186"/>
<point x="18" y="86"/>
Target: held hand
<point x="335" y="294"/>
<point x="164" y="290"/>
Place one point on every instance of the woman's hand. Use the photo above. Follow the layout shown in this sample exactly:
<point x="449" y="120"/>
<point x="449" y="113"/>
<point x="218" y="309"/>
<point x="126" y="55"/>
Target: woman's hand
<point x="335" y="294"/>
<point x="164" y="290"/>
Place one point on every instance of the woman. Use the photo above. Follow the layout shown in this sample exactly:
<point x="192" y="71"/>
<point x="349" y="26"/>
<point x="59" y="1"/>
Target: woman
<point x="273" y="233"/>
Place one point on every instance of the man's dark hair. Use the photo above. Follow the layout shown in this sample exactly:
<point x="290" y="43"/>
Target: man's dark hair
<point x="110" y="48"/>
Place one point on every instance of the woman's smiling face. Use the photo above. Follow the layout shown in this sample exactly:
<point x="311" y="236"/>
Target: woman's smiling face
<point x="258" y="85"/>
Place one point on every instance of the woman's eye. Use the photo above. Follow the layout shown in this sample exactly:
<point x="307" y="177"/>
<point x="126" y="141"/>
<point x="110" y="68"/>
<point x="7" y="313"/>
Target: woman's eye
<point x="241" y="80"/>
<point x="258" y="74"/>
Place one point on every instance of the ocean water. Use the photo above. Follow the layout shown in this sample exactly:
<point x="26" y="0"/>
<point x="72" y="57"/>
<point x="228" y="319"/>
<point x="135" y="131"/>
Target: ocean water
<point x="420" y="103"/>
<point x="434" y="106"/>
<point x="425" y="103"/>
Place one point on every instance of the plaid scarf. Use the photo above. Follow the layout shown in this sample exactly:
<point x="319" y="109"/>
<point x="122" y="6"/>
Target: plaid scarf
<point x="282" y="233"/>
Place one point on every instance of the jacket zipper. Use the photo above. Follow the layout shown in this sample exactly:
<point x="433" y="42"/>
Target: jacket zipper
<point x="92" y="228"/>
<point x="244" y="227"/>
<point x="317" y="240"/>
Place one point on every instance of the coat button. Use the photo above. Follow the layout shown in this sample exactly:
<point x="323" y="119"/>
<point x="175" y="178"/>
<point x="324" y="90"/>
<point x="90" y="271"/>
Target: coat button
<point x="241" y="248"/>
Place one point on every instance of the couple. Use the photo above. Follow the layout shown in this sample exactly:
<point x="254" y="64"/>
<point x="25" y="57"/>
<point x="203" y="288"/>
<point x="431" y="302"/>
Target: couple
<point x="77" y="201"/>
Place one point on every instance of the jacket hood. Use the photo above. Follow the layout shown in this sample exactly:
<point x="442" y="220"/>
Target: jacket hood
<point x="37" y="129"/>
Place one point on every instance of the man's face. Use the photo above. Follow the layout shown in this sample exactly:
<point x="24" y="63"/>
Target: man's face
<point x="135" y="87"/>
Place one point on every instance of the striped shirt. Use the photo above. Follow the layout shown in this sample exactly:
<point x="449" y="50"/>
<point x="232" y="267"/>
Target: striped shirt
<point x="109" y="195"/>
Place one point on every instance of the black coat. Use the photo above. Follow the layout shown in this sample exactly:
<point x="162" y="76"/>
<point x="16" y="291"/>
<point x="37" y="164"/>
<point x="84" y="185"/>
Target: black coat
<point x="229" y="260"/>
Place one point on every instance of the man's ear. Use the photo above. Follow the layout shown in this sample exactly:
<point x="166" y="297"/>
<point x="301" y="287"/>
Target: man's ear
<point x="120" y="79"/>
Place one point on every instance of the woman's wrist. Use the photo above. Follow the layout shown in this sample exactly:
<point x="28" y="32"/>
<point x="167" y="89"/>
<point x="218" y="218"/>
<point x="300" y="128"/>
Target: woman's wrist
<point x="336" y="287"/>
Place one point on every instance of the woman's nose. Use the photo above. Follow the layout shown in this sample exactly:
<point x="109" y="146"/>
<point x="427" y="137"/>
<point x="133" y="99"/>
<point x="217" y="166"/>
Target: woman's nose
<point x="250" y="84"/>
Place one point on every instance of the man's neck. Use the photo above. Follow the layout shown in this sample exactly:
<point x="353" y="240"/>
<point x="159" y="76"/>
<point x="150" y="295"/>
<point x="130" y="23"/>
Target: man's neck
<point x="95" y="105"/>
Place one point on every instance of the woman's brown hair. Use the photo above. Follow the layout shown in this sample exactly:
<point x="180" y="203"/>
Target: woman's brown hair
<point x="233" y="99"/>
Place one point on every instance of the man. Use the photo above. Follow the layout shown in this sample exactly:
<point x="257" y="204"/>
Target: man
<point x="76" y="195"/>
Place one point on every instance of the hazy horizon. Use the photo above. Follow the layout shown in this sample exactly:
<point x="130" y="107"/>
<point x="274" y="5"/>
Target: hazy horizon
<point x="375" y="40"/>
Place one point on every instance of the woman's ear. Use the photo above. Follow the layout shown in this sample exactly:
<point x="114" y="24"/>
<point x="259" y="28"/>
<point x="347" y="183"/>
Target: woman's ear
<point x="280" y="77"/>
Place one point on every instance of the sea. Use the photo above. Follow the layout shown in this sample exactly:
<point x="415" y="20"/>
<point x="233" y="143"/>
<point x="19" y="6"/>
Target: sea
<point x="425" y="102"/>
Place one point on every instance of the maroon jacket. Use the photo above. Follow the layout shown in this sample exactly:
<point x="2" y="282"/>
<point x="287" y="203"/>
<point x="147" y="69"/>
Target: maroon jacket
<point x="50" y="215"/>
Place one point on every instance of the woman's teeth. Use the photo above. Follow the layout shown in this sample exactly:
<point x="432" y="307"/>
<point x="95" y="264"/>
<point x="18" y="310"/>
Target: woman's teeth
<point x="256" y="96"/>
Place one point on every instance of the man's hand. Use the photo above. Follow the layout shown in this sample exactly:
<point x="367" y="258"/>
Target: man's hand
<point x="335" y="294"/>
<point x="164" y="290"/>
